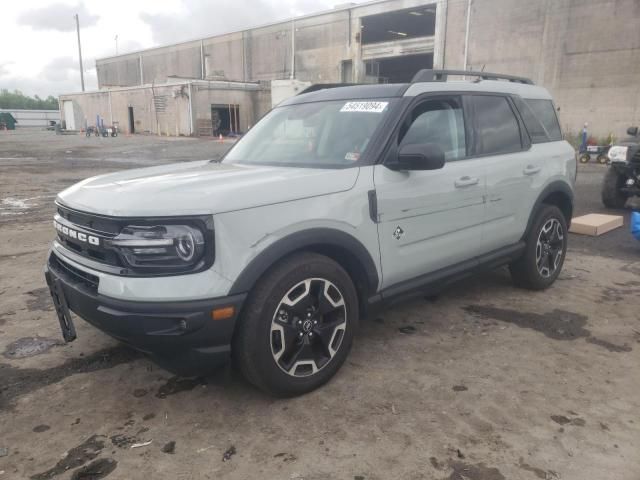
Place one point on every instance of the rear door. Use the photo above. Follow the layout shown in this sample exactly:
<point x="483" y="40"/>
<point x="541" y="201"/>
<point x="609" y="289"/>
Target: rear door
<point x="513" y="171"/>
<point x="429" y="220"/>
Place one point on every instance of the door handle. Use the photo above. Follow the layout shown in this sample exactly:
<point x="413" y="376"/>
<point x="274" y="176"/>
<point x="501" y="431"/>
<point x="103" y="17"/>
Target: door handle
<point x="466" y="181"/>
<point x="531" y="170"/>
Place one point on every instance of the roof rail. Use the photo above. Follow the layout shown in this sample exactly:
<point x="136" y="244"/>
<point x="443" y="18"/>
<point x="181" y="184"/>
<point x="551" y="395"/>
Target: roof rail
<point x="322" y="86"/>
<point x="428" y="75"/>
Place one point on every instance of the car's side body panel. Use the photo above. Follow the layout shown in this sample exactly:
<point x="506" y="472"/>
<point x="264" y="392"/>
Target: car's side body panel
<point x="426" y="221"/>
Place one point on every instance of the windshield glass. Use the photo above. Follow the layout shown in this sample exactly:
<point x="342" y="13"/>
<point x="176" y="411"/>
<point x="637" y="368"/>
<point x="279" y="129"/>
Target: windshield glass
<point x="332" y="134"/>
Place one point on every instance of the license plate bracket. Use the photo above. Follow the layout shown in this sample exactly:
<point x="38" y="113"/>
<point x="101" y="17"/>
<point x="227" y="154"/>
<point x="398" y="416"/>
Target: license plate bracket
<point x="62" y="310"/>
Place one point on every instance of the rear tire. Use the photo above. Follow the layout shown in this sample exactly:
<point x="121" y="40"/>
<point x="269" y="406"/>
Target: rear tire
<point x="584" y="158"/>
<point x="546" y="247"/>
<point x="297" y="326"/>
<point x="602" y="159"/>
<point x="612" y="197"/>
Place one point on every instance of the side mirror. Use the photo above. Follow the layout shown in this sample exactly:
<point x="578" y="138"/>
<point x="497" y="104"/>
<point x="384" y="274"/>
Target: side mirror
<point x="633" y="131"/>
<point x="419" y="156"/>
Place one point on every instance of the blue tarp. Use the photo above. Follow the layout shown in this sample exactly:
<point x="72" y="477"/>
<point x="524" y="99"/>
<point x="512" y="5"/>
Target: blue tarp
<point x="635" y="225"/>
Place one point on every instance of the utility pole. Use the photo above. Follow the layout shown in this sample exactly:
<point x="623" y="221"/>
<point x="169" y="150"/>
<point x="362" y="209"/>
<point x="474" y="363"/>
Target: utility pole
<point x="116" y="44"/>
<point x="80" y="52"/>
<point x="293" y="48"/>
<point x="466" y="37"/>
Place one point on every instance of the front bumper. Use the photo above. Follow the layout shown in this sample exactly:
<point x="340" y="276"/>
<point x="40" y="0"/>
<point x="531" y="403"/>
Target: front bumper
<point x="182" y="337"/>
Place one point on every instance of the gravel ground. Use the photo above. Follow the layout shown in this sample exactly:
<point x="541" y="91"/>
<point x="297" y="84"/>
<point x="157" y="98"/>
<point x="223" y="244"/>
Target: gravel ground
<point x="485" y="382"/>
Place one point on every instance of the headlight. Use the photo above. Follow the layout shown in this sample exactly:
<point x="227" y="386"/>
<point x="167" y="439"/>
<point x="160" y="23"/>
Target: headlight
<point x="166" y="248"/>
<point x="618" y="154"/>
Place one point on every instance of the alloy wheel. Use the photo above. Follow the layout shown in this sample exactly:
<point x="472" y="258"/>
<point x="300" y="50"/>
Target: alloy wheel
<point x="308" y="327"/>
<point x="549" y="247"/>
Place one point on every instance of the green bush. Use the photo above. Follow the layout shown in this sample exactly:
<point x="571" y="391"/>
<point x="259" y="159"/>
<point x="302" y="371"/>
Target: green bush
<point x="16" y="99"/>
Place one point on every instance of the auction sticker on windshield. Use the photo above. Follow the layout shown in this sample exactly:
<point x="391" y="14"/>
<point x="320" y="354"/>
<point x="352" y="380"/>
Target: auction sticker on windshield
<point x="370" y="107"/>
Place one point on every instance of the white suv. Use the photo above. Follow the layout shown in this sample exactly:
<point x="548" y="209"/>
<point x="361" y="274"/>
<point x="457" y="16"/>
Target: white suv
<point x="336" y="202"/>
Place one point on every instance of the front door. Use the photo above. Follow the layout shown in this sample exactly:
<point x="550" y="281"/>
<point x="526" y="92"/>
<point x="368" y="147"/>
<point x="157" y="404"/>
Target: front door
<point x="429" y="220"/>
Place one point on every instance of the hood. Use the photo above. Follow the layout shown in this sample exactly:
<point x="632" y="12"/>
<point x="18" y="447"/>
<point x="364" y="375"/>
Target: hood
<point x="196" y="188"/>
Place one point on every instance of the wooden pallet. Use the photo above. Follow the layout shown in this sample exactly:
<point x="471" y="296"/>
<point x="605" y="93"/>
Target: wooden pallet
<point x="204" y="127"/>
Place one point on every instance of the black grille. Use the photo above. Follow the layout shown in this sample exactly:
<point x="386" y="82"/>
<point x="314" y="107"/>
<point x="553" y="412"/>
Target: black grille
<point x="636" y="157"/>
<point x="97" y="224"/>
<point x="72" y="273"/>
<point x="102" y="227"/>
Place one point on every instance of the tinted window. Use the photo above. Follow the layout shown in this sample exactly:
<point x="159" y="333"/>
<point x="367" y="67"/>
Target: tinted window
<point x="439" y="122"/>
<point x="497" y="129"/>
<point x="546" y="115"/>
<point x="536" y="131"/>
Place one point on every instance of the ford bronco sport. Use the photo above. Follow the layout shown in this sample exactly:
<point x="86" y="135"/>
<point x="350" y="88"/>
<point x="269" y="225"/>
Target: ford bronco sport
<point x="336" y="202"/>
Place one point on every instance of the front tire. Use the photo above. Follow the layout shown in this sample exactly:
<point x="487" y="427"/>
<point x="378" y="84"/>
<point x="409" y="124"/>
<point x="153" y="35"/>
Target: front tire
<point x="297" y="327"/>
<point x="546" y="247"/>
<point x="612" y="197"/>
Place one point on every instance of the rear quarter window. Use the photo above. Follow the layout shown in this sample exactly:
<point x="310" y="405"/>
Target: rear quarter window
<point x="540" y="119"/>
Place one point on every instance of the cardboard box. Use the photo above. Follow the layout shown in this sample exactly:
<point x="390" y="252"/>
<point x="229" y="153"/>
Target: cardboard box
<point x="595" y="224"/>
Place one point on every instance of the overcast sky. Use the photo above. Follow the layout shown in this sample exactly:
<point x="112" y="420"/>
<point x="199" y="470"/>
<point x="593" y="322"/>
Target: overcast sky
<point x="39" y="54"/>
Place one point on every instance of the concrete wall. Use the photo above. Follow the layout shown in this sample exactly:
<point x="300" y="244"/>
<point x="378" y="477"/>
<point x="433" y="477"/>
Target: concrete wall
<point x="586" y="52"/>
<point x="165" y="109"/>
<point x="322" y="43"/>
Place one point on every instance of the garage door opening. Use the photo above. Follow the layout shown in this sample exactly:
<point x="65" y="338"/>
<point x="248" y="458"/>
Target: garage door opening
<point x="398" y="69"/>
<point x="225" y="119"/>
<point x="399" y="25"/>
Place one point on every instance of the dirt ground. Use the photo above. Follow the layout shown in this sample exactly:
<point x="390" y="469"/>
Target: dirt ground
<point x="485" y="382"/>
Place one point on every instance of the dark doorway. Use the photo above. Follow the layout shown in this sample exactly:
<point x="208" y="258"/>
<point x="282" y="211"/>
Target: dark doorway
<point x="225" y="119"/>
<point x="347" y="71"/>
<point x="399" y="25"/>
<point x="132" y="128"/>
<point x="401" y="69"/>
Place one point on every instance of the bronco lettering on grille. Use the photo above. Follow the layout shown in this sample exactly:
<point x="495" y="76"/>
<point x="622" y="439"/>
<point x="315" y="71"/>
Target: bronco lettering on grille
<point x="75" y="235"/>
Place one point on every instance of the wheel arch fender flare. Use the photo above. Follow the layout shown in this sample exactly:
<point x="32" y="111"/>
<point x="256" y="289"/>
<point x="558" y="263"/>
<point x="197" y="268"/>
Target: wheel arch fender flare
<point x="314" y="239"/>
<point x="556" y="190"/>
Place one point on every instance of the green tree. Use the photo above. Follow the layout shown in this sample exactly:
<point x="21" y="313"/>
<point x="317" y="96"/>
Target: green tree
<point x="17" y="99"/>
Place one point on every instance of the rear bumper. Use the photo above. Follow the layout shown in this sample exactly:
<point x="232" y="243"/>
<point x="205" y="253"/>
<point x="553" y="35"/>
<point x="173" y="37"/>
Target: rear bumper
<point x="181" y="337"/>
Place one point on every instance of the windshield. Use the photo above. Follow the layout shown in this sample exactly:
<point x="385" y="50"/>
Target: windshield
<point x="331" y="134"/>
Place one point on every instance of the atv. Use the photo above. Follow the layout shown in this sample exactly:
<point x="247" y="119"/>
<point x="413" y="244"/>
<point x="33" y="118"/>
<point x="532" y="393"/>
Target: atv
<point x="622" y="180"/>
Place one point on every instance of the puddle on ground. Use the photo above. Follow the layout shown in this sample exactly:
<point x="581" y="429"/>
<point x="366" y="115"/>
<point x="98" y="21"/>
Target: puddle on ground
<point x="177" y="384"/>
<point x="40" y="299"/>
<point x="123" y="441"/>
<point x="76" y="457"/>
<point x="95" y="470"/>
<point x="20" y="381"/>
<point x="30" y="346"/>
<point x="557" y="324"/>
<point x="169" y="447"/>
<point x="562" y="420"/>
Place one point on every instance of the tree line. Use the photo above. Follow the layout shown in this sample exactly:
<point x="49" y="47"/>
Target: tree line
<point x="17" y="99"/>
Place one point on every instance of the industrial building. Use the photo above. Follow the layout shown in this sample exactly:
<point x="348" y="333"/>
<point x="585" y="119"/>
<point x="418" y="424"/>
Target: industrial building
<point x="32" y="118"/>
<point x="586" y="52"/>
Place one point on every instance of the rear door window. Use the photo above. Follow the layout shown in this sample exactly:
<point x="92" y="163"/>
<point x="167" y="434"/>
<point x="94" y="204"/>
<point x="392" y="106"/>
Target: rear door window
<point x="546" y="115"/>
<point x="496" y="126"/>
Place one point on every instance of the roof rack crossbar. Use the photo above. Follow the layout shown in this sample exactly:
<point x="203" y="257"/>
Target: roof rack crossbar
<point x="428" y="75"/>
